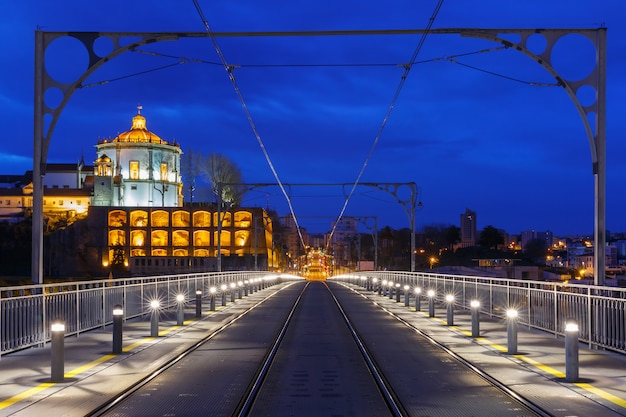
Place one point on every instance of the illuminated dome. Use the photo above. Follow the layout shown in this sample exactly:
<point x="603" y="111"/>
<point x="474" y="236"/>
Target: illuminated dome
<point x="138" y="132"/>
<point x="103" y="159"/>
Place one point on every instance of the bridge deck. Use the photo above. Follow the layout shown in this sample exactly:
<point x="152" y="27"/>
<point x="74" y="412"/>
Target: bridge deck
<point x="92" y="374"/>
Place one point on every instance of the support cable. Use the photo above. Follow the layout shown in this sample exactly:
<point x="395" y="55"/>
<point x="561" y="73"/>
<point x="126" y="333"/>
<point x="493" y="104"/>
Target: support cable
<point x="229" y="70"/>
<point x="407" y="69"/>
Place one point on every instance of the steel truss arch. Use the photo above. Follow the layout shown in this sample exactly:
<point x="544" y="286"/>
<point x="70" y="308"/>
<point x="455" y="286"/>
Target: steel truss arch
<point x="44" y="82"/>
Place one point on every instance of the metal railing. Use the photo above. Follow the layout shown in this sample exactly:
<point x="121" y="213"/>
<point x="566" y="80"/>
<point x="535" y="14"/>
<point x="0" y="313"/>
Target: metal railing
<point x="600" y="312"/>
<point x="27" y="312"/>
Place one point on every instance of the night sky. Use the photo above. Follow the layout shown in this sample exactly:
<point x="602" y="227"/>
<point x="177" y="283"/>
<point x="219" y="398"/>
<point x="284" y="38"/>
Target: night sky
<point x="474" y="125"/>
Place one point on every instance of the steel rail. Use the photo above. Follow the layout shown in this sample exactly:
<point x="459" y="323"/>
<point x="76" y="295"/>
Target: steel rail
<point x="245" y="406"/>
<point x="485" y="376"/>
<point x="392" y="400"/>
<point x="123" y="395"/>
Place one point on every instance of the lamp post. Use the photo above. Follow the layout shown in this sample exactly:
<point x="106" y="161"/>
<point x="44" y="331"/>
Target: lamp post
<point x="198" y="303"/>
<point x="475" y="305"/>
<point x="431" y="303"/>
<point x="180" y="309"/>
<point x="223" y="287"/>
<point x="418" y="298"/>
<point x="118" y="315"/>
<point x="450" y="310"/>
<point x="511" y="331"/>
<point x="406" y="295"/>
<point x="571" y="351"/>
<point x="154" y="318"/>
<point x="57" y="368"/>
<point x="212" y="291"/>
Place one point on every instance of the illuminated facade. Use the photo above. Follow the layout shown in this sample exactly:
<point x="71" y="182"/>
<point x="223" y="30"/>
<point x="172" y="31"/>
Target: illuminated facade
<point x="137" y="168"/>
<point x="186" y="239"/>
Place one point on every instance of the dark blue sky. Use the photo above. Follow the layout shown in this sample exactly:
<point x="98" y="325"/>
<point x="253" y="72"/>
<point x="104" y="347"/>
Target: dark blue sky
<point x="471" y="130"/>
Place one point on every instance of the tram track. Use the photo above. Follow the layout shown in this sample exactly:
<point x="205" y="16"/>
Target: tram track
<point x="319" y="359"/>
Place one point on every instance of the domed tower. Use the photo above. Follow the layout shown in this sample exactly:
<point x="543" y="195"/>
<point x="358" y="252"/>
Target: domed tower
<point x="137" y="168"/>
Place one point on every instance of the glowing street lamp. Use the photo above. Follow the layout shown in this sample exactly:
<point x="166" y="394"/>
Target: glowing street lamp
<point x="511" y="331"/>
<point x="475" y="305"/>
<point x="180" y="309"/>
<point x="450" y="310"/>
<point x="212" y="291"/>
<point x="154" y="318"/>
<point x="418" y="298"/>
<point x="431" y="303"/>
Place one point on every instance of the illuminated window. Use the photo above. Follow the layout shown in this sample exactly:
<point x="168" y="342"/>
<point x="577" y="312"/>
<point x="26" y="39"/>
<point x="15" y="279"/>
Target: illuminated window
<point x="241" y="237"/>
<point x="160" y="218"/>
<point x="225" y="219"/>
<point x="180" y="252"/>
<point x="137" y="252"/>
<point x="180" y="238"/>
<point x="137" y="237"/>
<point x="134" y="170"/>
<point x="243" y="219"/>
<point x="159" y="252"/>
<point x="200" y="252"/>
<point x="225" y="241"/>
<point x="159" y="238"/>
<point x="201" y="238"/>
<point x="201" y="219"/>
<point x="180" y="218"/>
<point x="117" y="218"/>
<point x="163" y="171"/>
<point x="139" y="218"/>
<point x="117" y="237"/>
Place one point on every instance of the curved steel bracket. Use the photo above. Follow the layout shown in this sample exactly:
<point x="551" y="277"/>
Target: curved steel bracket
<point x="596" y="80"/>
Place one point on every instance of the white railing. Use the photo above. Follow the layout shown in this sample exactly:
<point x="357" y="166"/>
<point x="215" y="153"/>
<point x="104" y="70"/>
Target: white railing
<point x="27" y="312"/>
<point x="599" y="311"/>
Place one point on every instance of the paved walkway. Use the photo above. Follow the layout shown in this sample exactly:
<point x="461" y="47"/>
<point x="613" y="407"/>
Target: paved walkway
<point x="93" y="374"/>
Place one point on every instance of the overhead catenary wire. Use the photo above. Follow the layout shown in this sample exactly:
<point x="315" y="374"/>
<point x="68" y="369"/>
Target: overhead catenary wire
<point x="407" y="69"/>
<point x="231" y="76"/>
<point x="453" y="59"/>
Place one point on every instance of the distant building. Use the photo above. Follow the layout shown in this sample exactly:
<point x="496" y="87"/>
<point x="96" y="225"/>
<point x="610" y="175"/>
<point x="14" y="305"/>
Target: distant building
<point x="137" y="168"/>
<point x="134" y="218"/>
<point x="528" y="235"/>
<point x="468" y="229"/>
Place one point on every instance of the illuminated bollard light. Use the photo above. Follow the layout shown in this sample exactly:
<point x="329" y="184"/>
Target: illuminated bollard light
<point x="571" y="351"/>
<point x="198" y="303"/>
<point x="475" y="305"/>
<point x="450" y="310"/>
<point x="118" y="316"/>
<point x="384" y="283"/>
<point x="223" y="287"/>
<point x="418" y="298"/>
<point x="398" y="292"/>
<point x="154" y="318"/>
<point x="240" y="290"/>
<point x="377" y="286"/>
<point x="431" y="303"/>
<point x="406" y="295"/>
<point x="511" y="331"/>
<point x="245" y="288"/>
<point x="180" y="309"/>
<point x="57" y="365"/>
<point x="390" y="286"/>
<point x="233" y="286"/>
<point x="212" y="291"/>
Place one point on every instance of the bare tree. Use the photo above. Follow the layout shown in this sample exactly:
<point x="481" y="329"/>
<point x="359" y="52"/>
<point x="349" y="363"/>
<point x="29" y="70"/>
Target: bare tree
<point x="190" y="169"/>
<point x="224" y="175"/>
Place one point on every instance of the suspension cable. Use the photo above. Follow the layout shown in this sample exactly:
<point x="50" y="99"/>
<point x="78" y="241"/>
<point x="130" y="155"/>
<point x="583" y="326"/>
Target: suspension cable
<point x="407" y="69"/>
<point x="229" y="70"/>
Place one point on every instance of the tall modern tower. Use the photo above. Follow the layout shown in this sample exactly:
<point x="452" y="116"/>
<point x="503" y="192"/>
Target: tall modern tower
<point x="468" y="228"/>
